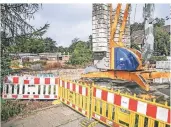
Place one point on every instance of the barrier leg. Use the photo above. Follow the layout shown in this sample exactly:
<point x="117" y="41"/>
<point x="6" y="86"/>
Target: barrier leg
<point x="161" y="124"/>
<point x="98" y="106"/>
<point x="104" y="109"/>
<point x="92" y="107"/>
<point x="132" y="120"/>
<point x="150" y="122"/>
<point x="116" y="118"/>
<point x="141" y="121"/>
<point x="110" y="111"/>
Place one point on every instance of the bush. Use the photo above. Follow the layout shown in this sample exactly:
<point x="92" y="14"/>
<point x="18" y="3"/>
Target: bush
<point x="10" y="109"/>
<point x="15" y="63"/>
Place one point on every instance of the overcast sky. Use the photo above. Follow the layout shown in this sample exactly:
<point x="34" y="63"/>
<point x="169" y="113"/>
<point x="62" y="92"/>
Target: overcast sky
<point x="68" y="21"/>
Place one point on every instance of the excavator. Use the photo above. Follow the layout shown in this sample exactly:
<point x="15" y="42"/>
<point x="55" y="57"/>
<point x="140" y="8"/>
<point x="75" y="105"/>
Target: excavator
<point x="113" y="59"/>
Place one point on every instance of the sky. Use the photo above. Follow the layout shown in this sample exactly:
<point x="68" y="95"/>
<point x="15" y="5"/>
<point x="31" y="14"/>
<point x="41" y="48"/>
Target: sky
<point x="69" y="21"/>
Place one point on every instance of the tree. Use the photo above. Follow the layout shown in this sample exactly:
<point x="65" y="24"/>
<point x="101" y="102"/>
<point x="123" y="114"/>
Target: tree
<point x="136" y="26"/>
<point x="74" y="43"/>
<point x="14" y="24"/>
<point x="14" y="19"/>
<point x="162" y="41"/>
<point x="81" y="55"/>
<point x="50" y="45"/>
<point x="159" y="22"/>
<point x="62" y="49"/>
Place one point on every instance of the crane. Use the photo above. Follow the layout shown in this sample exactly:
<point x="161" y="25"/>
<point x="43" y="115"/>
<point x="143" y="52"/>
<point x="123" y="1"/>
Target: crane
<point x="112" y="59"/>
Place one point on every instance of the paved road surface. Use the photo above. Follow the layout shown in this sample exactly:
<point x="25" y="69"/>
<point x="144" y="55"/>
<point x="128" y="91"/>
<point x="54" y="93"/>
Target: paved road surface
<point x="59" y="116"/>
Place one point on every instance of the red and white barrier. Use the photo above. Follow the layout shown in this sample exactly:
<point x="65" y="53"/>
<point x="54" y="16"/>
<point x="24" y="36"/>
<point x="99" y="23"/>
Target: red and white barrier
<point x="74" y="87"/>
<point x="141" y="107"/>
<point x="78" y="89"/>
<point x="105" y="120"/>
<point x="30" y="80"/>
<point x="23" y="87"/>
<point x="82" y="111"/>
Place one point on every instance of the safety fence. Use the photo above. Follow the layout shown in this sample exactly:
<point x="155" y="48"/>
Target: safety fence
<point x="75" y="95"/>
<point x="18" y="87"/>
<point x="109" y="107"/>
<point x="114" y="109"/>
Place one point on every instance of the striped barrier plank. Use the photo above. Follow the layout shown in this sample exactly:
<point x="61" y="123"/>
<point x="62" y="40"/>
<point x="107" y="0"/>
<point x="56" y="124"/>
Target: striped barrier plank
<point x="82" y="111"/>
<point x="73" y="87"/>
<point x="146" y="109"/>
<point x="31" y="80"/>
<point x="105" y="120"/>
<point x="25" y="87"/>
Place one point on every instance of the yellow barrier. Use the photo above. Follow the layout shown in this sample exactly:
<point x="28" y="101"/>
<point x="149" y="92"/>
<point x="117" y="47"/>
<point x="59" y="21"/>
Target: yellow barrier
<point x="113" y="108"/>
<point x="75" y="95"/>
<point x="116" y="109"/>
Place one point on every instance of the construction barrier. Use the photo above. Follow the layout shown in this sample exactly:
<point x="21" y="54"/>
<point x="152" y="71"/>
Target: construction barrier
<point x="115" y="109"/>
<point x="75" y="95"/>
<point x="109" y="107"/>
<point x="18" y="87"/>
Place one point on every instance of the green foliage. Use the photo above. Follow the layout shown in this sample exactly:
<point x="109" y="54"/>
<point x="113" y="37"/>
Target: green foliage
<point x="5" y="63"/>
<point x="10" y="109"/>
<point x="33" y="45"/>
<point x="73" y="45"/>
<point x="14" y="24"/>
<point x="136" y="26"/>
<point x="159" y="22"/>
<point x="135" y="46"/>
<point x="15" y="63"/>
<point x="81" y="55"/>
<point x="161" y="37"/>
<point x="153" y="59"/>
<point x="162" y="41"/>
<point x="62" y="49"/>
<point x="49" y="45"/>
<point x="14" y="19"/>
<point x="158" y="58"/>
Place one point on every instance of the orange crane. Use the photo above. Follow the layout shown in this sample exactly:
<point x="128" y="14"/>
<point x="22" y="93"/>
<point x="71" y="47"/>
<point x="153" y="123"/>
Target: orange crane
<point x="124" y="63"/>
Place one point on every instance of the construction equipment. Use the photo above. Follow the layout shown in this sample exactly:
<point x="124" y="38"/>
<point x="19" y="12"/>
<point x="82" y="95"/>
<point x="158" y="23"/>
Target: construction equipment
<point x="112" y="58"/>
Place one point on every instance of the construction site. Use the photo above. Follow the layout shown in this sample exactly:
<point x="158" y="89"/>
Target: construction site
<point x="121" y="86"/>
